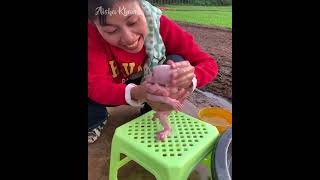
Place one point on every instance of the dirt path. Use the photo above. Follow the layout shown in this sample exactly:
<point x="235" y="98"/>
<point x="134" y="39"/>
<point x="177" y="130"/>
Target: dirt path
<point x="217" y="42"/>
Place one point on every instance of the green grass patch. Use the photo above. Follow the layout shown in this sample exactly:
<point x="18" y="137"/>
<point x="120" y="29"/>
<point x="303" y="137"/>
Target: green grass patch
<point x="220" y="16"/>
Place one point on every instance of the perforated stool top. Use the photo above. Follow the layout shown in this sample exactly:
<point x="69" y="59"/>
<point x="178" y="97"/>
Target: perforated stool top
<point x="189" y="138"/>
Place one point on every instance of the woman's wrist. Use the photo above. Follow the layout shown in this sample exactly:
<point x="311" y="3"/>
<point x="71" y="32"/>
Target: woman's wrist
<point x="194" y="83"/>
<point x="134" y="95"/>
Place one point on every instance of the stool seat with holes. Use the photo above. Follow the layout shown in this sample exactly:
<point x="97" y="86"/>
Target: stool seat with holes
<point x="174" y="158"/>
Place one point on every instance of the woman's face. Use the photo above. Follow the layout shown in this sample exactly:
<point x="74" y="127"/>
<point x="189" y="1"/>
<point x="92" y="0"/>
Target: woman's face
<point x="126" y="26"/>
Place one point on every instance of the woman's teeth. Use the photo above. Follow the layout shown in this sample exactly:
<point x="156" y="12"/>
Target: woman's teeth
<point x="133" y="45"/>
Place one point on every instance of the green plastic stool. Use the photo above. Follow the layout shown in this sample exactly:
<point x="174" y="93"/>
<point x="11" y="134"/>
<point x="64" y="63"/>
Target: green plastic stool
<point x="190" y="142"/>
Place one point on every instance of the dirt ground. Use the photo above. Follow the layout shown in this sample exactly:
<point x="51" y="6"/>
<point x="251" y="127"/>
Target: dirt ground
<point x="217" y="42"/>
<point x="214" y="41"/>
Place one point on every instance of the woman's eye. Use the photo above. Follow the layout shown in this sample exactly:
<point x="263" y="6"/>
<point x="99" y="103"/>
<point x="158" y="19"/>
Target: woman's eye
<point x="132" y="23"/>
<point x="111" y="32"/>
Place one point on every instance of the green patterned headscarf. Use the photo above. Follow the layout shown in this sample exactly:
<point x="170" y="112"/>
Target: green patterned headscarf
<point x="155" y="48"/>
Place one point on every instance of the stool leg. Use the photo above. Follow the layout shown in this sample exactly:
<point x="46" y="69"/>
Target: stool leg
<point x="114" y="161"/>
<point x="207" y="163"/>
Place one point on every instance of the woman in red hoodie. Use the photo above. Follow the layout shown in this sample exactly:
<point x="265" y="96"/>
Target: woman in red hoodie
<point x="121" y="48"/>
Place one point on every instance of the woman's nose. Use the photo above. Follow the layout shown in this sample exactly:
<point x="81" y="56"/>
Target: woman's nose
<point x="127" y="37"/>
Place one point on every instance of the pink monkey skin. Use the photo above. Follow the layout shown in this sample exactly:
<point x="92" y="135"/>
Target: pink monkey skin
<point x="157" y="82"/>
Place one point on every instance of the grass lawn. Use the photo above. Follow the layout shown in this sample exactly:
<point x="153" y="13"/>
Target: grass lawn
<point x="220" y="16"/>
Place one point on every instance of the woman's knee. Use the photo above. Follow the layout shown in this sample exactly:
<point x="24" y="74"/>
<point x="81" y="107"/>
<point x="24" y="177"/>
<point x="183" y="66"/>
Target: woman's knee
<point x="97" y="114"/>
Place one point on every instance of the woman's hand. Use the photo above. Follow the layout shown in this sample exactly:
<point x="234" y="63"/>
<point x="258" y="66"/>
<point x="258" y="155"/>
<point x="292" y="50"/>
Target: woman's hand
<point x="182" y="75"/>
<point x="139" y="92"/>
